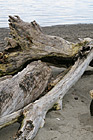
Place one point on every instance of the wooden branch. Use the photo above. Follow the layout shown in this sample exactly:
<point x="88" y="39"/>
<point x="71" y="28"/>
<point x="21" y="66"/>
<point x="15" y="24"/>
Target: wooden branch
<point x="10" y="119"/>
<point x="28" y="43"/>
<point x="34" y="114"/>
<point x="23" y="88"/>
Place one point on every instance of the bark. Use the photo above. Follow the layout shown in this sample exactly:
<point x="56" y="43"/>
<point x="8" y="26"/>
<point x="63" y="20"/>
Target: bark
<point x="28" y="43"/>
<point x="34" y="114"/>
<point x="23" y="88"/>
<point x="19" y="94"/>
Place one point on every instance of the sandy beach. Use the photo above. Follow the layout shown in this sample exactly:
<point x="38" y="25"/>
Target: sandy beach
<point x="73" y="122"/>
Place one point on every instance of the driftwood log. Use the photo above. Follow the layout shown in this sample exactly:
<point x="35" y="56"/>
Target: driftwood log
<point x="23" y="88"/>
<point x="34" y="114"/>
<point x="28" y="43"/>
<point x="28" y="94"/>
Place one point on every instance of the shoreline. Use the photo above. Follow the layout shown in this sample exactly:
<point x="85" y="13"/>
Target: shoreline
<point x="73" y="122"/>
<point x="69" y="32"/>
<point x="84" y="28"/>
<point x="59" y="24"/>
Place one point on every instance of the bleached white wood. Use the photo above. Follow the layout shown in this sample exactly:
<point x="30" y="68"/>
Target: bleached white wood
<point x="34" y="113"/>
<point x="23" y="88"/>
<point x="9" y="119"/>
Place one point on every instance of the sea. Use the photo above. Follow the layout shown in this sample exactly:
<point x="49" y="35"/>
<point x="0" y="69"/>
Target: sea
<point x="47" y="12"/>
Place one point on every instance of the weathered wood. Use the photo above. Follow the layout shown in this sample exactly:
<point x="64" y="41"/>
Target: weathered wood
<point x="29" y="43"/>
<point x="23" y="88"/>
<point x="34" y="114"/>
<point x="10" y="119"/>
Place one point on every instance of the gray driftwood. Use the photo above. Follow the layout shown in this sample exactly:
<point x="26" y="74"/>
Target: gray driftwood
<point x="29" y="43"/>
<point x="23" y="88"/>
<point x="19" y="93"/>
<point x="34" y="114"/>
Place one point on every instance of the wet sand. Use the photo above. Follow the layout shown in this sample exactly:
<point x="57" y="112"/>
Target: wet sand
<point x="74" y="121"/>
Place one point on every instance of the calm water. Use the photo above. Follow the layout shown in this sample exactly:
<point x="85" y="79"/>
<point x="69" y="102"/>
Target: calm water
<point x="47" y="12"/>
